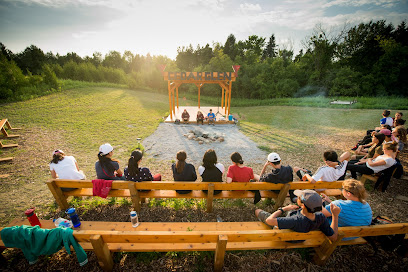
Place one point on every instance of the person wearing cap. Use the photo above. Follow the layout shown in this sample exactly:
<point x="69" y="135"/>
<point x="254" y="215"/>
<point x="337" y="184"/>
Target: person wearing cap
<point x="106" y="167"/>
<point x="279" y="173"/>
<point x="355" y="211"/>
<point x="303" y="217"/>
<point x="332" y="171"/>
<point x="386" y="120"/>
<point x="211" y="117"/>
<point x="65" y="167"/>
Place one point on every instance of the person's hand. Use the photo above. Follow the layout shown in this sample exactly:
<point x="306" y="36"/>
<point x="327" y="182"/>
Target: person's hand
<point x="334" y="209"/>
<point x="290" y="208"/>
<point x="325" y="197"/>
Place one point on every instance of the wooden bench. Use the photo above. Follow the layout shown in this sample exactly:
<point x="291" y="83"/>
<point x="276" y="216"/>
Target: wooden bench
<point x="5" y="123"/>
<point x="166" y="189"/>
<point x="106" y="237"/>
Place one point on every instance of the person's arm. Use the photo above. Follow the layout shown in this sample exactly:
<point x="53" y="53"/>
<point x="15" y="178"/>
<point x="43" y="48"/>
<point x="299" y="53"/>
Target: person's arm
<point x="54" y="174"/>
<point x="76" y="164"/>
<point x="376" y="163"/>
<point x="119" y="172"/>
<point x="229" y="180"/>
<point x="264" y="169"/>
<point x="194" y="173"/>
<point x="272" y="219"/>
<point x="335" y="218"/>
<point x="309" y="178"/>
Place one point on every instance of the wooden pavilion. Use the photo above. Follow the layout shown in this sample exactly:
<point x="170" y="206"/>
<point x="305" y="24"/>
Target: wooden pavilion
<point x="176" y="79"/>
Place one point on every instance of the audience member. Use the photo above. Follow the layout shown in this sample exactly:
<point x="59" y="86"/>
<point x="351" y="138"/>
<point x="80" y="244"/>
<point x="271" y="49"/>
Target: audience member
<point x="185" y="116"/>
<point x="211" y="171"/>
<point x="183" y="171"/>
<point x="378" y="164"/>
<point x="106" y="167"/>
<point x="136" y="173"/>
<point x="237" y="172"/>
<point x="200" y="118"/>
<point x="211" y="117"/>
<point x="303" y="217"/>
<point x="65" y="167"/>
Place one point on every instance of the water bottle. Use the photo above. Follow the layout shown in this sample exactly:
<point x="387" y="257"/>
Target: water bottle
<point x="74" y="217"/>
<point x="134" y="219"/>
<point x="61" y="222"/>
<point x="32" y="217"/>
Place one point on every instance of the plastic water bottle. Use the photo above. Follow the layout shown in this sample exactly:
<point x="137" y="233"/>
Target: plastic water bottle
<point x="134" y="219"/>
<point x="74" y="217"/>
<point x="32" y="217"/>
<point x="61" y="222"/>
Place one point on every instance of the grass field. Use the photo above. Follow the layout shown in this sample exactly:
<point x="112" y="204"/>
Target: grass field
<point x="79" y="120"/>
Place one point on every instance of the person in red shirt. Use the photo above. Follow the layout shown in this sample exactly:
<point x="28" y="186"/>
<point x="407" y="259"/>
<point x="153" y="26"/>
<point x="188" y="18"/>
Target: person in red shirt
<point x="185" y="116"/>
<point x="237" y="172"/>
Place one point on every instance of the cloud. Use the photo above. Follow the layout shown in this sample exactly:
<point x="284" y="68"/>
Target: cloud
<point x="247" y="7"/>
<point x="359" y="3"/>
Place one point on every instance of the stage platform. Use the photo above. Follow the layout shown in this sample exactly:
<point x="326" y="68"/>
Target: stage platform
<point x="193" y="114"/>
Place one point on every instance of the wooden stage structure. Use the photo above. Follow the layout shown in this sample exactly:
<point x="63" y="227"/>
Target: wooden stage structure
<point x="223" y="79"/>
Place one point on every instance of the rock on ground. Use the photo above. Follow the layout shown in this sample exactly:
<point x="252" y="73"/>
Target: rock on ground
<point x="169" y="138"/>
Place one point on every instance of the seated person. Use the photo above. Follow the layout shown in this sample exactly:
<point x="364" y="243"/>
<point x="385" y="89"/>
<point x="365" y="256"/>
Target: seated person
<point x="373" y="166"/>
<point x="398" y="116"/>
<point x="400" y="134"/>
<point x="354" y="211"/>
<point x="106" y="167"/>
<point x="304" y="219"/>
<point x="237" y="172"/>
<point x="211" y="171"/>
<point x="200" y="117"/>
<point x="332" y="171"/>
<point x="375" y="147"/>
<point x="183" y="171"/>
<point x="136" y="173"/>
<point x="65" y="167"/>
<point x="279" y="173"/>
<point x="185" y="116"/>
<point x="211" y="117"/>
<point x="386" y="120"/>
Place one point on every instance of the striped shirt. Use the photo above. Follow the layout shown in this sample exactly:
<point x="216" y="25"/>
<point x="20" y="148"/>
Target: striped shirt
<point x="353" y="213"/>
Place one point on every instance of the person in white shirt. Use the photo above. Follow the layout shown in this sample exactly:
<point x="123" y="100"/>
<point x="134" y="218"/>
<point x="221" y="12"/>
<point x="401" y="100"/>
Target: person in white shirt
<point x="332" y="171"/>
<point x="373" y="166"/>
<point x="65" y="167"/>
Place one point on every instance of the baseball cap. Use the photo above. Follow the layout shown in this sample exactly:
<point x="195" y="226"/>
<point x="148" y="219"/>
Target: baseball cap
<point x="274" y="157"/>
<point x="105" y="148"/>
<point x="57" y="151"/>
<point x="386" y="132"/>
<point x="310" y="198"/>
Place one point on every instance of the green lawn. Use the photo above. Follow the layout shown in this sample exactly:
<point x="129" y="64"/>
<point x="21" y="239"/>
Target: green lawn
<point x="80" y="120"/>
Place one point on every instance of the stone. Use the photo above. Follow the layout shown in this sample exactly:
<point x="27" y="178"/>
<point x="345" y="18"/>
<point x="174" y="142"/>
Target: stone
<point x="190" y="137"/>
<point x="200" y="142"/>
<point x="207" y="141"/>
<point x="221" y="139"/>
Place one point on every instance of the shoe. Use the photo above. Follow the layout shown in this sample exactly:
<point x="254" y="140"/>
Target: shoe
<point x="355" y="147"/>
<point x="257" y="197"/>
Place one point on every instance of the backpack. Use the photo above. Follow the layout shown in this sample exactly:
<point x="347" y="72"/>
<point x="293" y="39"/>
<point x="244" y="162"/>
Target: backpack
<point x="386" y="242"/>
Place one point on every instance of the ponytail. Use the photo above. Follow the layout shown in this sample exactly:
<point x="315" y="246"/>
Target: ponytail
<point x="181" y="161"/>
<point x="237" y="158"/>
<point x="391" y="146"/>
<point x="57" y="157"/>
<point x="133" y="166"/>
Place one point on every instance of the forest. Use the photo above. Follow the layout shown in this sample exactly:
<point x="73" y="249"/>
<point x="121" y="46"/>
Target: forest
<point x="370" y="59"/>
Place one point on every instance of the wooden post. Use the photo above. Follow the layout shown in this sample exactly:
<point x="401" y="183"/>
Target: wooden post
<point x="226" y="101"/>
<point x="171" y="112"/>
<point x="281" y="196"/>
<point x="324" y="251"/>
<point x="177" y="98"/>
<point x="199" y="87"/>
<point x="134" y="194"/>
<point x="174" y="104"/>
<point x="102" y="252"/>
<point x="220" y="252"/>
<point x="222" y="98"/>
<point x="229" y="99"/>
<point x="210" y="197"/>
<point x="59" y="196"/>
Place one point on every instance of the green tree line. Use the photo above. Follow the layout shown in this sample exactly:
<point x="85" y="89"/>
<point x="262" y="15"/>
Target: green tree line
<point x="370" y="59"/>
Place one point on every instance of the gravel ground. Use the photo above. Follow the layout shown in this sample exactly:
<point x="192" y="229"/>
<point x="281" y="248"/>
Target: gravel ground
<point x="168" y="139"/>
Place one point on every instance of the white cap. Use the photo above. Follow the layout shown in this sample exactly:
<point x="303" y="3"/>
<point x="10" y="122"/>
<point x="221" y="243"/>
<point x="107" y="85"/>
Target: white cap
<point x="274" y="157"/>
<point x="105" y="148"/>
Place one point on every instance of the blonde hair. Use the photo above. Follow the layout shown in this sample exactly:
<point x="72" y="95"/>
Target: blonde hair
<point x="356" y="188"/>
<point x="402" y="133"/>
<point x="391" y="146"/>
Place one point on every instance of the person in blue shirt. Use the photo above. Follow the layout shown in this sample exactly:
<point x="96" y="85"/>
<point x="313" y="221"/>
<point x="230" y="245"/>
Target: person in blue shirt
<point x="211" y="118"/>
<point x="304" y="217"/>
<point x="355" y="211"/>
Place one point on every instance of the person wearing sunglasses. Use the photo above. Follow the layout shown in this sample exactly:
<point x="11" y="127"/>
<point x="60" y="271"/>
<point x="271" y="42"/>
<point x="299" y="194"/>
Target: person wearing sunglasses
<point x="355" y="211"/>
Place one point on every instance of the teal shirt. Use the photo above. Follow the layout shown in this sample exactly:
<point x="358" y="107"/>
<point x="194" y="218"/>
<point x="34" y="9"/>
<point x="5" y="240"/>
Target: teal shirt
<point x="35" y="241"/>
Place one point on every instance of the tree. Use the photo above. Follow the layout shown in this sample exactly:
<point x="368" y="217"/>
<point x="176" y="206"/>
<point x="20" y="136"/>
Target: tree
<point x="269" y="51"/>
<point x="185" y="59"/>
<point x="31" y="59"/>
<point x="114" y="60"/>
<point x="230" y="47"/>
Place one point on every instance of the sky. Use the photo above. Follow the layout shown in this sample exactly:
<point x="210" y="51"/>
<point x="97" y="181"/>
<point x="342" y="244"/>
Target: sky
<point x="159" y="27"/>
